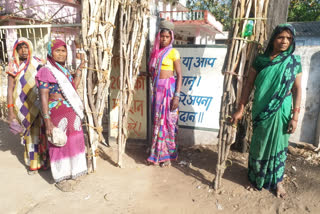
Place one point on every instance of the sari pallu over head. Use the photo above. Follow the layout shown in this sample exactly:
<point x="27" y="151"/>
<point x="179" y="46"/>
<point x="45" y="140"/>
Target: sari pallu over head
<point x="275" y="78"/>
<point x="25" y="93"/>
<point x="64" y="78"/>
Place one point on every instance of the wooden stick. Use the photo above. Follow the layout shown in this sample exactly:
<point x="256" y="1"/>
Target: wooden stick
<point x="121" y="91"/>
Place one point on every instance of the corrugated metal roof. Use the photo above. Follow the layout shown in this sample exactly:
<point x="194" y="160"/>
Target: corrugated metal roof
<point x="307" y="28"/>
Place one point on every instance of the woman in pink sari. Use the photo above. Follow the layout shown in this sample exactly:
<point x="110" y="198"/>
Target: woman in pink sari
<point x="62" y="108"/>
<point x="165" y="96"/>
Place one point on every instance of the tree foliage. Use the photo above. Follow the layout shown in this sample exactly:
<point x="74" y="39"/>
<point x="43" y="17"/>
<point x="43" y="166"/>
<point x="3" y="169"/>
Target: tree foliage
<point x="299" y="10"/>
<point x="304" y="10"/>
<point x="221" y="9"/>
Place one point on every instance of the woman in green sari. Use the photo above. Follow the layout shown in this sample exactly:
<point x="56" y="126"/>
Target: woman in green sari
<point x="276" y="76"/>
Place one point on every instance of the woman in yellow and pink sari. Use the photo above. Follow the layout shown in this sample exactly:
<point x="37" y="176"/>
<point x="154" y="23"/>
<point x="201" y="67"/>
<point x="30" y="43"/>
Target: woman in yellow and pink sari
<point x="165" y="96"/>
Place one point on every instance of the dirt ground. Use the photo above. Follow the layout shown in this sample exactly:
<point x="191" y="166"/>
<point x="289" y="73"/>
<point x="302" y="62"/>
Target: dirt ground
<point x="137" y="188"/>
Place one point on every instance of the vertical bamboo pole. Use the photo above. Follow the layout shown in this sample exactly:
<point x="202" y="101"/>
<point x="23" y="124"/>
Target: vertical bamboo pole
<point x="121" y="90"/>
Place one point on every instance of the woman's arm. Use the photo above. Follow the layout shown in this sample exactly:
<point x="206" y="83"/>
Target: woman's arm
<point x="44" y="95"/>
<point x="177" y="67"/>
<point x="246" y="91"/>
<point x="296" y="93"/>
<point x="10" y="89"/>
<point x="77" y="75"/>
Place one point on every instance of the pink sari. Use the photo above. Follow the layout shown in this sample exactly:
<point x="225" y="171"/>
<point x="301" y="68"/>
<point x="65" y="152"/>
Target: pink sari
<point x="68" y="161"/>
<point x="164" y="121"/>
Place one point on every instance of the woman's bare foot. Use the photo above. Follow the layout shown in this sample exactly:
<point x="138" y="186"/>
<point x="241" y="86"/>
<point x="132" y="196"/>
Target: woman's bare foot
<point x="148" y="163"/>
<point x="32" y="172"/>
<point x="281" y="192"/>
<point x="251" y="188"/>
<point x="165" y="164"/>
<point x="64" y="186"/>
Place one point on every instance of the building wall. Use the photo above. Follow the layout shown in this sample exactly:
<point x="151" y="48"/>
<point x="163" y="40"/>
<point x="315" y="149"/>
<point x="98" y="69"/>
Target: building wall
<point x="137" y="118"/>
<point x="202" y="86"/>
<point x="41" y="10"/>
<point x="199" y="105"/>
<point x="203" y="38"/>
<point x="308" y="41"/>
<point x="310" y="105"/>
<point x="45" y="10"/>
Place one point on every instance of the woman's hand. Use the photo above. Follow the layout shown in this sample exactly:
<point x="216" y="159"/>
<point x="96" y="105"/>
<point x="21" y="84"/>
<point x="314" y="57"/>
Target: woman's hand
<point x="82" y="61"/>
<point x="174" y="103"/>
<point x="11" y="116"/>
<point x="49" y="126"/>
<point x="292" y="126"/>
<point x="236" y="117"/>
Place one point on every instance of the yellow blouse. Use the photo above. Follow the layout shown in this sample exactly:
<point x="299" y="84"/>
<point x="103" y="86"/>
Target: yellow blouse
<point x="167" y="62"/>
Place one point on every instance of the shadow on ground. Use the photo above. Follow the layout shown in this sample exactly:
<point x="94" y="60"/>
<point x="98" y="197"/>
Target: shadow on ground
<point x="198" y="162"/>
<point x="203" y="161"/>
<point x="12" y="143"/>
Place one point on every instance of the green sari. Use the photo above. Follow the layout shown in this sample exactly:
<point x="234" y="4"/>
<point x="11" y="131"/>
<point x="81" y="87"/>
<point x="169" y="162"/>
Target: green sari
<point x="271" y="113"/>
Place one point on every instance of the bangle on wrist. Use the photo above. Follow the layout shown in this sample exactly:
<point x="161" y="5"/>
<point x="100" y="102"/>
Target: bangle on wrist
<point x="177" y="94"/>
<point x="296" y="110"/>
<point x="46" y="116"/>
<point x="10" y="105"/>
<point x="78" y="75"/>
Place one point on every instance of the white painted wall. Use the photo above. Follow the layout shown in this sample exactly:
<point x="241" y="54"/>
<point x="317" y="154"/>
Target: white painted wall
<point x="202" y="81"/>
<point x="310" y="105"/>
<point x="203" y="38"/>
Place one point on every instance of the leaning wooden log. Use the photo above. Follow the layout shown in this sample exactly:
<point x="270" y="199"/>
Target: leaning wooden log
<point x="304" y="145"/>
